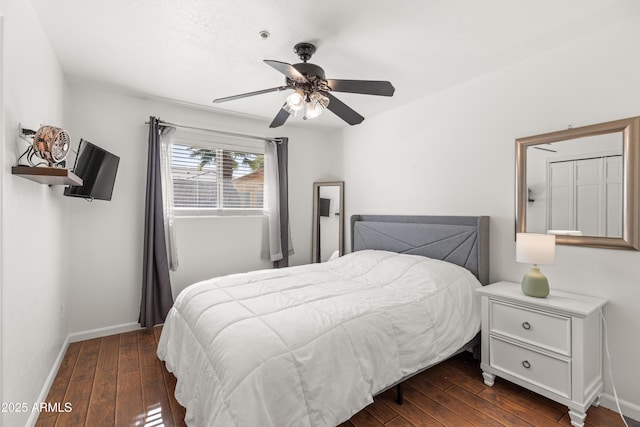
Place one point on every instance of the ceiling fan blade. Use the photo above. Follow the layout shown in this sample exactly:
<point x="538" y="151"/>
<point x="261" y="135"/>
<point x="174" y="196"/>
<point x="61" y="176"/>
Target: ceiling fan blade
<point x="280" y="118"/>
<point x="245" y="95"/>
<point x="288" y="70"/>
<point x="367" y="87"/>
<point x="342" y="110"/>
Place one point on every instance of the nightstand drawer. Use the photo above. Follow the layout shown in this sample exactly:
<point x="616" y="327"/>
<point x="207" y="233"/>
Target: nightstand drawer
<point x="537" y="328"/>
<point x="537" y="368"/>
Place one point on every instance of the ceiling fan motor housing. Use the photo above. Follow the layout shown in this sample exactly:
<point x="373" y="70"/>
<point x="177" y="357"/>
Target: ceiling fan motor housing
<point x="304" y="51"/>
<point x="310" y="70"/>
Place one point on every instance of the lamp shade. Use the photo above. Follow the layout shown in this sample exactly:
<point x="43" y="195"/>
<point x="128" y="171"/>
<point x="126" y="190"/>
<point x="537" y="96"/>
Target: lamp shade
<point x="532" y="248"/>
<point x="294" y="102"/>
<point x="315" y="105"/>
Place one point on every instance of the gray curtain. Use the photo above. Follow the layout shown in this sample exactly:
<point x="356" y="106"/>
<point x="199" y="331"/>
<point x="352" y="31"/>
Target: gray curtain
<point x="156" y="285"/>
<point x="283" y="174"/>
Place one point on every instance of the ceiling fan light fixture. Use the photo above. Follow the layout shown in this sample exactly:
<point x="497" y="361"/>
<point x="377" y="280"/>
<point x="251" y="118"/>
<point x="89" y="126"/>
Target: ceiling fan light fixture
<point x="319" y="98"/>
<point x="315" y="105"/>
<point x="312" y="110"/>
<point x="295" y="102"/>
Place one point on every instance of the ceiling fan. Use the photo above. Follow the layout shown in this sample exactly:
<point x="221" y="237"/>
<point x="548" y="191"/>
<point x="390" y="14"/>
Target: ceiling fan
<point x="312" y="90"/>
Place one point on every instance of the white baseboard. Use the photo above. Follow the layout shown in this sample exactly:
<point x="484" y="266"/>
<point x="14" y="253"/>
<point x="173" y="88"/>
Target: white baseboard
<point x="103" y="332"/>
<point x="628" y="409"/>
<point x="75" y="337"/>
<point x="49" y="382"/>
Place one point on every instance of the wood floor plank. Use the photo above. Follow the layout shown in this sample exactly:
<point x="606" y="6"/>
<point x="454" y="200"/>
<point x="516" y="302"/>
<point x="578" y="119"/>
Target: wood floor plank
<point x="46" y="421"/>
<point x="436" y="377"/>
<point x="450" y="394"/>
<point x="411" y="412"/>
<point x="541" y="404"/>
<point x="398" y="421"/>
<point x="129" y="408"/>
<point x="157" y="331"/>
<point x="460" y="375"/>
<point x="556" y="409"/>
<point x="465" y="362"/>
<point x="441" y="412"/>
<point x="102" y="411"/>
<point x="521" y="407"/>
<point x="603" y="416"/>
<point x="178" y="411"/>
<point x="553" y="409"/>
<point x="596" y="417"/>
<point x="565" y="421"/>
<point x="381" y="410"/>
<point x="365" y="419"/>
<point x="489" y="409"/>
<point x="154" y="393"/>
<point x="80" y="385"/>
<point x="61" y="382"/>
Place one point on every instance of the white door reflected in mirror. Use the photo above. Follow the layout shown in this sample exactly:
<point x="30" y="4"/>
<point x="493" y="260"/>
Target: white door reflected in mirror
<point x="575" y="187"/>
<point x="328" y="199"/>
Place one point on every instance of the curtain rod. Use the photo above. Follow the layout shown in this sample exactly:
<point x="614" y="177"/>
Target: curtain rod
<point x="219" y="132"/>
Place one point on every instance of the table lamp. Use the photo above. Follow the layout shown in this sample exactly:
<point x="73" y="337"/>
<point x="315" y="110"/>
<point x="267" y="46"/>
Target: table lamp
<point x="532" y="248"/>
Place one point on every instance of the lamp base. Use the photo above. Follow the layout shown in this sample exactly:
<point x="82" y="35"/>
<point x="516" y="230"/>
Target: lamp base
<point x="535" y="284"/>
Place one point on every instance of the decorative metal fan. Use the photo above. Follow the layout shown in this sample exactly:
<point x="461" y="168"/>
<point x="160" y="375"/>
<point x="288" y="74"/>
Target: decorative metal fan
<point x="312" y="90"/>
<point x="51" y="144"/>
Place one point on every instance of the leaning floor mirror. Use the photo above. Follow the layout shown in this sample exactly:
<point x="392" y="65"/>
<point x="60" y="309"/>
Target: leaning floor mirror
<point x="581" y="184"/>
<point x="328" y="223"/>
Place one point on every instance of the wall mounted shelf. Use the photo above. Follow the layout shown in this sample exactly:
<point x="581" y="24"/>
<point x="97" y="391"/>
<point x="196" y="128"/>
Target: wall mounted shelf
<point x="47" y="175"/>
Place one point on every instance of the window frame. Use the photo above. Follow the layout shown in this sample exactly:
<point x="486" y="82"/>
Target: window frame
<point x="215" y="142"/>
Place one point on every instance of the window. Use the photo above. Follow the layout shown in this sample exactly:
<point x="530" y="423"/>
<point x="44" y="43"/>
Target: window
<point x="210" y="179"/>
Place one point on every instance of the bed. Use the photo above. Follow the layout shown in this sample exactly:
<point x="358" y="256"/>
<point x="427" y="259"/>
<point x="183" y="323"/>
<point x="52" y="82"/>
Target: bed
<point x="311" y="345"/>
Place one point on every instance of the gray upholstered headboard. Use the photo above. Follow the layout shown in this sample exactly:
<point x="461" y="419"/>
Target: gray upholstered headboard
<point x="462" y="240"/>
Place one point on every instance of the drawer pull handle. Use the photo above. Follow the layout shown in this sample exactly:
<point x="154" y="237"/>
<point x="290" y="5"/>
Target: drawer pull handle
<point x="526" y="364"/>
<point x="526" y="325"/>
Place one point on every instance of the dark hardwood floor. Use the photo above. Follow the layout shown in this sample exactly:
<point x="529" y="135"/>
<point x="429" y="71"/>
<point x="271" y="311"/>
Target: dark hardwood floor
<point x="119" y="381"/>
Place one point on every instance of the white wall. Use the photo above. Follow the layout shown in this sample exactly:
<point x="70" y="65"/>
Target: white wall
<point x="455" y="155"/>
<point x="34" y="274"/>
<point x="106" y="237"/>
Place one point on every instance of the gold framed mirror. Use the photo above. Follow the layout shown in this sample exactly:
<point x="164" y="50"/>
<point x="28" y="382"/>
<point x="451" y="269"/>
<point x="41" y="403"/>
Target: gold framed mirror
<point x="581" y="184"/>
<point x="328" y="220"/>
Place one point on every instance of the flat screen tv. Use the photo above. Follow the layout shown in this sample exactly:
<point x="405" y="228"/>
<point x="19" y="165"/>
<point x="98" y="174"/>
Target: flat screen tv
<point x="97" y="168"/>
<point x="324" y="206"/>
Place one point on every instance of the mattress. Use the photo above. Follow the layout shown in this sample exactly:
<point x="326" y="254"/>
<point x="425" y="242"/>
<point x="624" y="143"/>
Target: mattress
<point x="310" y="345"/>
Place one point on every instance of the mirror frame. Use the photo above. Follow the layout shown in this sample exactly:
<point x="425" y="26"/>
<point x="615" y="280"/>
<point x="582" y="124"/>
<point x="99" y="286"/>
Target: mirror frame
<point x="316" y="196"/>
<point x="630" y="129"/>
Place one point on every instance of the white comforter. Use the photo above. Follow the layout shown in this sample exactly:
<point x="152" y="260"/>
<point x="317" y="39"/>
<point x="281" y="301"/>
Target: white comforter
<point x="310" y="345"/>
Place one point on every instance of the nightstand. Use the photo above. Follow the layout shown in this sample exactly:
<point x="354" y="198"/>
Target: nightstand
<point x="552" y="346"/>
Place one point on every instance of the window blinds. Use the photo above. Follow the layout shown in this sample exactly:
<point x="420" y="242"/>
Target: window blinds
<point x="215" y="178"/>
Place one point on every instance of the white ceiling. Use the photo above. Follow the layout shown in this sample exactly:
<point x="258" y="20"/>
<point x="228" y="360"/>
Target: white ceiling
<point x="197" y="50"/>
